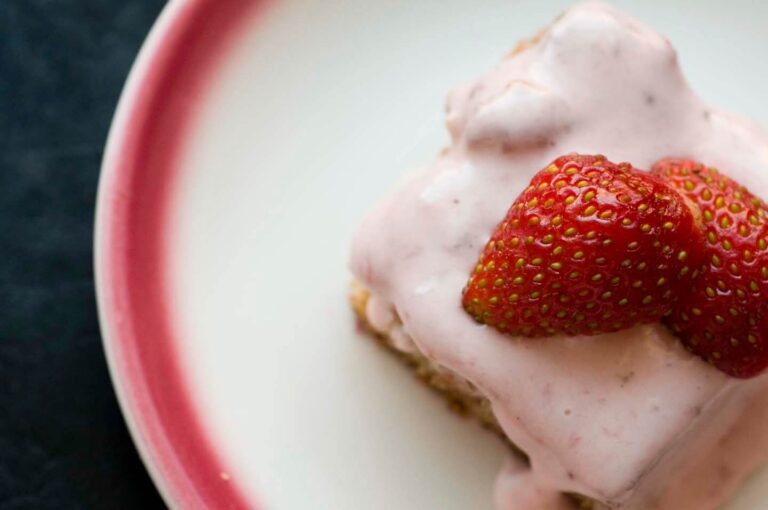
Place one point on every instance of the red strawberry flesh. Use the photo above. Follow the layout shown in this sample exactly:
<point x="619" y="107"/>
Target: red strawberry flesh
<point x="724" y="318"/>
<point x="589" y="247"/>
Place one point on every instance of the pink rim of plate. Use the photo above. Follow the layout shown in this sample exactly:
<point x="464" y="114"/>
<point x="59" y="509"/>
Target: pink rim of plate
<point x="157" y="106"/>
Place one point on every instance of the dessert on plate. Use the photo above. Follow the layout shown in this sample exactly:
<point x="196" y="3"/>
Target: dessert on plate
<point x="585" y="269"/>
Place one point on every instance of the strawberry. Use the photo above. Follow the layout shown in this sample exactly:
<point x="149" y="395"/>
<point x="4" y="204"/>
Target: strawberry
<point x="724" y="320"/>
<point x="589" y="247"/>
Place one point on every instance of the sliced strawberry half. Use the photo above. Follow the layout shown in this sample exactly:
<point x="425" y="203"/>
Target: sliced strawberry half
<point x="589" y="247"/>
<point x="725" y="317"/>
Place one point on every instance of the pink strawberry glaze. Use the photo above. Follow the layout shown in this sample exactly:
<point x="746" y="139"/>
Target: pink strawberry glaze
<point x="629" y="419"/>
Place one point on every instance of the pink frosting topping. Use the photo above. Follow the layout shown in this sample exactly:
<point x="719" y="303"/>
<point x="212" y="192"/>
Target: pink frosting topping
<point x="619" y="417"/>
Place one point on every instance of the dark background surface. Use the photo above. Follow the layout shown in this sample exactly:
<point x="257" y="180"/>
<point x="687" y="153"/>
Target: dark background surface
<point x="63" y="443"/>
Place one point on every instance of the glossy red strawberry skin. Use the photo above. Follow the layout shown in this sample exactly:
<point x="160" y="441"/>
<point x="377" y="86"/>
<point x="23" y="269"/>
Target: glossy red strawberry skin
<point x="724" y="319"/>
<point x="589" y="247"/>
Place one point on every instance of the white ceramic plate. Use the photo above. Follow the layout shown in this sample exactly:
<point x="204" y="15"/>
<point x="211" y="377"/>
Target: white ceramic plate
<point x="250" y="139"/>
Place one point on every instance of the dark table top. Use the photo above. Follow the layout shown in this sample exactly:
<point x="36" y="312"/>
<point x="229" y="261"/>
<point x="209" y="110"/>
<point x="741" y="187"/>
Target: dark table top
<point x="63" y="442"/>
